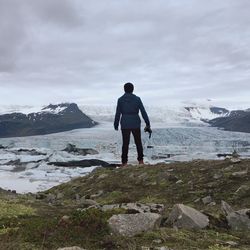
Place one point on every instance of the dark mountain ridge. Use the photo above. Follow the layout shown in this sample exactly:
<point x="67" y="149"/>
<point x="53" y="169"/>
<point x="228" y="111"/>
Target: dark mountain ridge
<point x="51" y="119"/>
<point x="237" y="120"/>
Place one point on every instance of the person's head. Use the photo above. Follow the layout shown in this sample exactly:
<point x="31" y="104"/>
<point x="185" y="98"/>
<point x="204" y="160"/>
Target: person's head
<point x="128" y="87"/>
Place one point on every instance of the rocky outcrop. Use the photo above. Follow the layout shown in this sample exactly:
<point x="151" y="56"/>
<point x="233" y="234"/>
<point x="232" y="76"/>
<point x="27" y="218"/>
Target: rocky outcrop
<point x="187" y="217"/>
<point x="132" y="224"/>
<point x="81" y="151"/>
<point x="81" y="163"/>
<point x="136" y="207"/>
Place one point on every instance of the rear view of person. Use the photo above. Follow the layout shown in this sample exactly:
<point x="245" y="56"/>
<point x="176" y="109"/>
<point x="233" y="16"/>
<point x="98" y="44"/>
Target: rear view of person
<point x="127" y="113"/>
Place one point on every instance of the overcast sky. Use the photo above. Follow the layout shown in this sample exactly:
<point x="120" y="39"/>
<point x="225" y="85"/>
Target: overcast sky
<point x="85" y="50"/>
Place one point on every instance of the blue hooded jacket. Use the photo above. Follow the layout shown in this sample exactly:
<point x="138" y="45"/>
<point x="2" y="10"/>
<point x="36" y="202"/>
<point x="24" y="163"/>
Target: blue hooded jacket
<point x="127" y="109"/>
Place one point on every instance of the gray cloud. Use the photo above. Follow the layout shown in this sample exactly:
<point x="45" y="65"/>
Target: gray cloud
<point x="175" y="50"/>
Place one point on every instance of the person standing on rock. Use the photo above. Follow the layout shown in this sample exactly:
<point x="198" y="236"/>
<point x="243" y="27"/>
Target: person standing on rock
<point x="127" y="113"/>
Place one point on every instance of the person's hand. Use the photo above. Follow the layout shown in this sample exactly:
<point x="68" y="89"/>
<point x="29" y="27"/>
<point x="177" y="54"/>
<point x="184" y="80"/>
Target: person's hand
<point x="148" y="129"/>
<point x="116" y="128"/>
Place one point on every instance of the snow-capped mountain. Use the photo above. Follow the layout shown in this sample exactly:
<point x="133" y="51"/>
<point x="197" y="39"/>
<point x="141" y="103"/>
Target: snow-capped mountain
<point x="162" y="116"/>
<point x="50" y="119"/>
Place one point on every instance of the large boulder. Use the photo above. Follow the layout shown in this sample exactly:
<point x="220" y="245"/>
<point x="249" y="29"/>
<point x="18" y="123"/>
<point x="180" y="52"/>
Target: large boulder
<point x="132" y="224"/>
<point x="187" y="217"/>
<point x="237" y="220"/>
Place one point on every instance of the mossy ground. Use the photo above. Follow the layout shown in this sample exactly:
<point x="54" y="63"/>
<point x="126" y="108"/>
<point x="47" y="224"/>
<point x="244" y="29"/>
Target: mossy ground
<point x="27" y="223"/>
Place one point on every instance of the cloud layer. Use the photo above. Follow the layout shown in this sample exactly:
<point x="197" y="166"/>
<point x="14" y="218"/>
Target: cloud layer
<point x="83" y="51"/>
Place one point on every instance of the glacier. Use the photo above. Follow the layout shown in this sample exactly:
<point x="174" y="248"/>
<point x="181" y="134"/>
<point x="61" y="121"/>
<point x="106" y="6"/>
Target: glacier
<point x="178" y="135"/>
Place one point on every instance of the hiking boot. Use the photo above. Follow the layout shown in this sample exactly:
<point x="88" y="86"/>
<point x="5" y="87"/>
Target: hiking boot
<point x="141" y="162"/>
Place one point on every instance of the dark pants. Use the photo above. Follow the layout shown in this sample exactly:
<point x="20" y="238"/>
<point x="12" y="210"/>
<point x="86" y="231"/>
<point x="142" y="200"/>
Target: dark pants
<point x="126" y="138"/>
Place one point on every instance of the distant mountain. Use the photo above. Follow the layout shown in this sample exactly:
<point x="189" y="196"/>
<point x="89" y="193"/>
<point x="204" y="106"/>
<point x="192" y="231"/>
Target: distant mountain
<point x="50" y="119"/>
<point x="237" y="120"/>
<point x="163" y="116"/>
<point x="206" y="113"/>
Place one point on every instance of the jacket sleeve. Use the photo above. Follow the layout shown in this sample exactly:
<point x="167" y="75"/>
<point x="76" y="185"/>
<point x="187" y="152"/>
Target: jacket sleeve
<point x="144" y="113"/>
<point x="117" y="115"/>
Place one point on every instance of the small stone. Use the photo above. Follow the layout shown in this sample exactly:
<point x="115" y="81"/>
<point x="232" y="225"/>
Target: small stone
<point x="206" y="200"/>
<point x="197" y="200"/>
<point x="102" y="176"/>
<point x="170" y="170"/>
<point x="143" y="176"/>
<point x="51" y="198"/>
<point x="229" y="168"/>
<point x="88" y="202"/>
<point x="98" y="194"/>
<point x="232" y="243"/>
<point x="157" y="241"/>
<point x="239" y="174"/>
<point x="235" y="160"/>
<point x="179" y="182"/>
<point x="65" y="220"/>
<point x="40" y="196"/>
<point x="71" y="248"/>
<point x="77" y="197"/>
<point x="217" y="176"/>
<point x="162" y="248"/>
<point x="226" y="208"/>
<point x="242" y="191"/>
<point x="59" y="196"/>
<point x="213" y="203"/>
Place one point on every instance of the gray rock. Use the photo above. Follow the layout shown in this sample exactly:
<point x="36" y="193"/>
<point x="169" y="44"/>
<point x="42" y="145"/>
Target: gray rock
<point x="162" y="248"/>
<point x="217" y="176"/>
<point x="179" y="182"/>
<point x="197" y="200"/>
<point x="59" y="195"/>
<point x="70" y="148"/>
<point x="132" y="224"/>
<point x="102" y="176"/>
<point x="206" y="200"/>
<point x="105" y="208"/>
<point x="226" y="208"/>
<point x="51" y="198"/>
<point x="71" y="248"/>
<point x="98" y="194"/>
<point x="211" y="204"/>
<point x="239" y="220"/>
<point x="157" y="241"/>
<point x="239" y="174"/>
<point x="232" y="243"/>
<point x="235" y="160"/>
<point x="137" y="207"/>
<point x="187" y="217"/>
<point x="64" y="220"/>
<point x="242" y="191"/>
<point x="88" y="202"/>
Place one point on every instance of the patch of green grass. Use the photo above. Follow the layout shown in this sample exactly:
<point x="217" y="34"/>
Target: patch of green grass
<point x="11" y="209"/>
